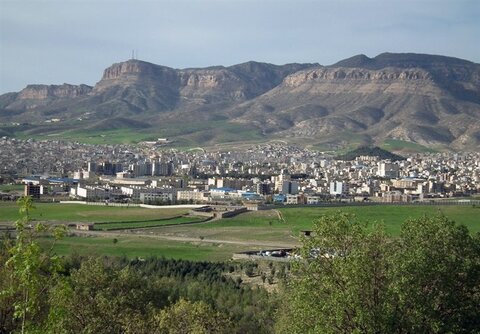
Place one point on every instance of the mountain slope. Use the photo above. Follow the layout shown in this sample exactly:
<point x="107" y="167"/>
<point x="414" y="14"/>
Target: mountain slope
<point x="425" y="99"/>
<point x="376" y="98"/>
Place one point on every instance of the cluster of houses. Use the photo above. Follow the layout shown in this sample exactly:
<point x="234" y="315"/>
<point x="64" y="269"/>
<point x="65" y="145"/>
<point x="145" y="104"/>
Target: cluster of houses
<point x="264" y="174"/>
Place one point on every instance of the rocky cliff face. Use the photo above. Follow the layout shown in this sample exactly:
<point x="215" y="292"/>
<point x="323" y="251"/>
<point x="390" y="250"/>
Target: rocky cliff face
<point x="432" y="100"/>
<point x="190" y="88"/>
<point x="39" y="96"/>
<point x="424" y="104"/>
<point x="43" y="92"/>
<point x="354" y="74"/>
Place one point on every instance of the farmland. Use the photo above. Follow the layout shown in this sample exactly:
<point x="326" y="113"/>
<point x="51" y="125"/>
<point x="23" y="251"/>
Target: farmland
<point x="145" y="232"/>
<point x="268" y="226"/>
<point x="55" y="212"/>
<point x="133" y="246"/>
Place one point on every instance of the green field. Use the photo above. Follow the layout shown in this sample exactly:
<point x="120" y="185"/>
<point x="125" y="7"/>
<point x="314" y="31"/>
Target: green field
<point x="57" y="212"/>
<point x="265" y="225"/>
<point x="11" y="187"/>
<point x="391" y="216"/>
<point x="405" y="146"/>
<point x="275" y="227"/>
<point x="142" y="247"/>
<point x="146" y="224"/>
<point x="184" y="134"/>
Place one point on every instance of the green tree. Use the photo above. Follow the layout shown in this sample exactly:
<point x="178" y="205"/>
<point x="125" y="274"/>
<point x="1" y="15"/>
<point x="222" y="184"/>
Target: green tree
<point x="340" y="286"/>
<point x="354" y="279"/>
<point x="185" y="317"/>
<point x="435" y="275"/>
<point x="29" y="269"/>
<point x="103" y="298"/>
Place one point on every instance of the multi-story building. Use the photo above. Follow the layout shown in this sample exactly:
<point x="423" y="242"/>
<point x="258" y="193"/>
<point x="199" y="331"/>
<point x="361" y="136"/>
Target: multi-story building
<point x="388" y="170"/>
<point x="338" y="188"/>
<point x="289" y="187"/>
<point x="33" y="190"/>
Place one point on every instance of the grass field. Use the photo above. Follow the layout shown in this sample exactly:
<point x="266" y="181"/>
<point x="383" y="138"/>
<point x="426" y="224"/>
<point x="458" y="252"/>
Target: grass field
<point x="279" y="227"/>
<point x="391" y="216"/>
<point x="143" y="247"/>
<point x="184" y="134"/>
<point x="11" y="187"/>
<point x="86" y="213"/>
<point x="405" y="146"/>
<point x="266" y="225"/>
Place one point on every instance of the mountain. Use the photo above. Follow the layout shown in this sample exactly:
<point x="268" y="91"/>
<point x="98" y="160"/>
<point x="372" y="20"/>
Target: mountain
<point x="430" y="100"/>
<point x="414" y="98"/>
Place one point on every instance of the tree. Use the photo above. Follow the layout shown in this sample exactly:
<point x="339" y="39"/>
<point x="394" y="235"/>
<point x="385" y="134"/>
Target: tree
<point x="435" y="275"/>
<point x="191" y="318"/>
<point x="29" y="269"/>
<point x="339" y="287"/>
<point x="354" y="279"/>
<point x="98" y="298"/>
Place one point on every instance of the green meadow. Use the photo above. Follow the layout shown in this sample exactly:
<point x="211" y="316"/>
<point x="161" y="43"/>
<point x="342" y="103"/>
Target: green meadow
<point x="405" y="146"/>
<point x="56" y="212"/>
<point x="391" y="216"/>
<point x="276" y="227"/>
<point x="286" y="228"/>
<point x="134" y="246"/>
<point x="184" y="134"/>
<point x="11" y="187"/>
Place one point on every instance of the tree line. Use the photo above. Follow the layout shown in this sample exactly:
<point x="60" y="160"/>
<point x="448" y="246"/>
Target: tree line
<point x="351" y="278"/>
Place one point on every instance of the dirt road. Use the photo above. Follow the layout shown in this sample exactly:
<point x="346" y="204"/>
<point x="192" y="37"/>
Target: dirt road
<point x="114" y="234"/>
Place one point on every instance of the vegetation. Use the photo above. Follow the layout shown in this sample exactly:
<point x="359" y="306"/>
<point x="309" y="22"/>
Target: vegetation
<point x="132" y="246"/>
<point x="357" y="280"/>
<point x="406" y="146"/>
<point x="369" y="151"/>
<point x="266" y="225"/>
<point x="11" y="188"/>
<point x="45" y="294"/>
<point x="352" y="278"/>
<point x="184" y="134"/>
<point x="25" y="272"/>
<point x="391" y="216"/>
<point x="56" y="212"/>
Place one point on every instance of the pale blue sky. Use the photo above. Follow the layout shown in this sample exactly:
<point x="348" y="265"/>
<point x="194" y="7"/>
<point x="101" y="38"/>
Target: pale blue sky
<point x="52" y="42"/>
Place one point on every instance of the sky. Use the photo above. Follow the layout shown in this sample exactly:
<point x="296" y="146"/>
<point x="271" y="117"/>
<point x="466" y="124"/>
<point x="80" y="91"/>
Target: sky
<point x="73" y="41"/>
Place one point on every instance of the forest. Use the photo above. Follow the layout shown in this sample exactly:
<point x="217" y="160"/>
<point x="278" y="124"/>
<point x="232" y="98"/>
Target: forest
<point x="350" y="277"/>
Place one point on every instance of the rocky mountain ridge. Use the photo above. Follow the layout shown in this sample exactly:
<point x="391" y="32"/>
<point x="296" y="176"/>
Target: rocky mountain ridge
<point x="425" y="99"/>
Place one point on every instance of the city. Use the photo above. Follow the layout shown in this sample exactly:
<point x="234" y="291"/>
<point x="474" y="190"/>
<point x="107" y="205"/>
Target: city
<point x="239" y="167"/>
<point x="272" y="173"/>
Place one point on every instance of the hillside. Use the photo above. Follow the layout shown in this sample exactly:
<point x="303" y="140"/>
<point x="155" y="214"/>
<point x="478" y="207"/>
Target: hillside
<point x="371" y="152"/>
<point x="432" y="101"/>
